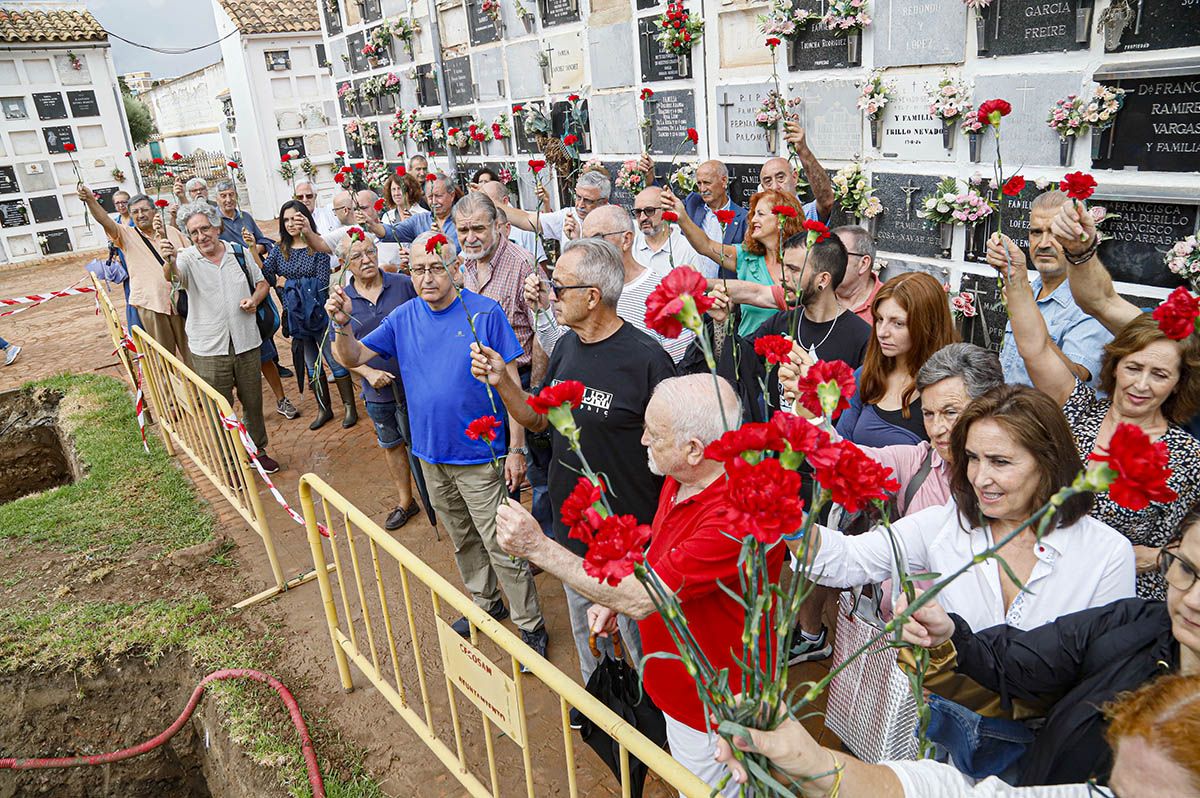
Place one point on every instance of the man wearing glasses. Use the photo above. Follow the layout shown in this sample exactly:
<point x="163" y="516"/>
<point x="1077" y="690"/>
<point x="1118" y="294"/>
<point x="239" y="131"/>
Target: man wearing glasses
<point x="592" y="191"/>
<point x="620" y="367"/>
<point x="659" y="245"/>
<point x="430" y="341"/>
<point x="325" y="218"/>
<point x="858" y="288"/>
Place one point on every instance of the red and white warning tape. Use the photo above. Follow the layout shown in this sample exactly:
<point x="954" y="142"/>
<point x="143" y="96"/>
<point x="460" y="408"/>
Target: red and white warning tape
<point x="139" y="400"/>
<point x="252" y="450"/>
<point x="36" y="299"/>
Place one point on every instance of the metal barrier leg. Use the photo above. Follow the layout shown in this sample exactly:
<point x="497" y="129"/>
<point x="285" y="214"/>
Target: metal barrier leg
<point x="318" y="553"/>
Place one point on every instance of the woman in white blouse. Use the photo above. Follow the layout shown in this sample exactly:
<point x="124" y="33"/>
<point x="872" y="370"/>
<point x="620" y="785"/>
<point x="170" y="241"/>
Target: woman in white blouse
<point x="1010" y="452"/>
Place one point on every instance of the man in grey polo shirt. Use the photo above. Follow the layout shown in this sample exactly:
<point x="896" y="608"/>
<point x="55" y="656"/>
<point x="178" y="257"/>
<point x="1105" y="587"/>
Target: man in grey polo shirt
<point x="222" y="333"/>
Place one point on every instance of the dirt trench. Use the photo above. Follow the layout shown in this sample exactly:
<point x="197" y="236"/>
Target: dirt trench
<point x="33" y="454"/>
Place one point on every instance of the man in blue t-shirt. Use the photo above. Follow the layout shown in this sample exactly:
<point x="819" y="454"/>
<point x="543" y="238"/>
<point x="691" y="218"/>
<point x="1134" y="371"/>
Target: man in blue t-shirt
<point x="430" y="341"/>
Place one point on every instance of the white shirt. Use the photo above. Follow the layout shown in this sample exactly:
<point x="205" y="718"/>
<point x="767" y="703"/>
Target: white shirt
<point x="552" y="223"/>
<point x="1087" y="564"/>
<point x="712" y="228"/>
<point x="326" y="219"/>
<point x="631" y="307"/>
<point x="389" y="254"/>
<point x="929" y="779"/>
<point x="676" y="248"/>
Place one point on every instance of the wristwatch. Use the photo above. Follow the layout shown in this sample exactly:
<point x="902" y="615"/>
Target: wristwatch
<point x="521" y="450"/>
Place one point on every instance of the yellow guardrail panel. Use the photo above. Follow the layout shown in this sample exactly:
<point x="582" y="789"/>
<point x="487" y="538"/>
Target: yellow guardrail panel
<point x="362" y="632"/>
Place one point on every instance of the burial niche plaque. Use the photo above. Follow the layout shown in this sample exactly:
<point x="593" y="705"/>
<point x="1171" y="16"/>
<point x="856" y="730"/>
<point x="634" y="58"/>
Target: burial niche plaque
<point x="1015" y="27"/>
<point x="8" y="180"/>
<point x="558" y="12"/>
<point x="58" y="137"/>
<point x="815" y="47"/>
<point x="674" y="113"/>
<point x="1141" y="233"/>
<point x="45" y="209"/>
<point x="737" y="132"/>
<point x="1158" y="129"/>
<point x="900" y="229"/>
<point x="50" y="105"/>
<point x="459" y="88"/>
<point x="57" y="241"/>
<point x="1131" y="25"/>
<point x="986" y="327"/>
<point x="657" y="62"/>
<point x="83" y="103"/>
<point x="13" y="213"/>
<point x="485" y="29"/>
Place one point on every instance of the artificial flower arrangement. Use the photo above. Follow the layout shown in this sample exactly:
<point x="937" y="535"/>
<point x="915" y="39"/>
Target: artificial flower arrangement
<point x="402" y="125"/>
<point x="776" y="108"/>
<point x="1183" y="259"/>
<point x="874" y="94"/>
<point x="347" y="92"/>
<point x="406" y="30"/>
<point x="784" y="19"/>
<point x="948" y="205"/>
<point x="457" y="138"/>
<point x="852" y="190"/>
<point x="362" y="132"/>
<point x="684" y="176"/>
<point x="1101" y="109"/>
<point x="630" y="178"/>
<point x="390" y="83"/>
<point x="501" y="127"/>
<point x="950" y="101"/>
<point x="492" y="9"/>
<point x="843" y="16"/>
<point x="678" y="29"/>
<point x="1066" y="117"/>
<point x="381" y="37"/>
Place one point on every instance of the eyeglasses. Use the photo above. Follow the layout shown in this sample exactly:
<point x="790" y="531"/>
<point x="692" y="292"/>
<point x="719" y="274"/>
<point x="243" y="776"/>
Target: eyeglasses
<point x="558" y="287"/>
<point x="305" y="196"/>
<point x="857" y="254"/>
<point x="200" y="231"/>
<point x="609" y="233"/>
<point x="645" y="211"/>
<point x="431" y="270"/>
<point x="1179" y="573"/>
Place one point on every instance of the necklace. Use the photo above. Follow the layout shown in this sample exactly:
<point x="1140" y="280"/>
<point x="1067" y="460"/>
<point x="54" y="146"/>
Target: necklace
<point x="813" y="348"/>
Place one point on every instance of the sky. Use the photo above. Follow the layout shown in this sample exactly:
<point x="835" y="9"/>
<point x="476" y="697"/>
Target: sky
<point x="161" y="23"/>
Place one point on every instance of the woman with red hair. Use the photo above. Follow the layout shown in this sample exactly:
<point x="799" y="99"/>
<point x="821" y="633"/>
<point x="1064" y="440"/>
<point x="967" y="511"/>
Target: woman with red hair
<point x="912" y="321"/>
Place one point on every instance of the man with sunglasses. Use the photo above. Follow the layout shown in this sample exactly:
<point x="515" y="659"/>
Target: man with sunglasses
<point x="860" y="285"/>
<point x="659" y="245"/>
<point x="325" y="218"/>
<point x="1078" y="663"/>
<point x="592" y="191"/>
<point x="620" y="367"/>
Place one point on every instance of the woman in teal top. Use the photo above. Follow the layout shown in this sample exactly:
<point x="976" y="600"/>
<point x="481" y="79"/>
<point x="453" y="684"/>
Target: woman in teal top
<point x="757" y="257"/>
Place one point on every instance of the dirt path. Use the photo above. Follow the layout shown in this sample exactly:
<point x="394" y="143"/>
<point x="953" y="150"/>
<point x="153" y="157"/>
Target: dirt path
<point x="67" y="335"/>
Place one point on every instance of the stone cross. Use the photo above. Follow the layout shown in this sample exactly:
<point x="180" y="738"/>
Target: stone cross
<point x="725" y="106"/>
<point x="909" y="190"/>
<point x="1024" y="89"/>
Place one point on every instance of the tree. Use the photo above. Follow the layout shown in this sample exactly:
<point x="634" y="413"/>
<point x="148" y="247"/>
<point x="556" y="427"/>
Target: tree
<point x="141" y="124"/>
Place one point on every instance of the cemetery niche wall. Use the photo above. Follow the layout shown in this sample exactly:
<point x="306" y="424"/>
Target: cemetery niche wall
<point x="608" y="57"/>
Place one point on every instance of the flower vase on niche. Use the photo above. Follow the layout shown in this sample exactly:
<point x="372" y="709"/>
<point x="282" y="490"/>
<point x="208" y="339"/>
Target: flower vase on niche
<point x="948" y="131"/>
<point x="685" y="64"/>
<point x="772" y="135"/>
<point x="868" y="223"/>
<point x="975" y="144"/>
<point x="1066" y="150"/>
<point x="876" y="130"/>
<point x="946" y="233"/>
<point x="982" y="13"/>
<point x="793" y="54"/>
<point x="854" y="47"/>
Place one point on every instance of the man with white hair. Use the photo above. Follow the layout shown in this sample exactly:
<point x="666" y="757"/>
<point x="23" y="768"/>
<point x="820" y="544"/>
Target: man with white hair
<point x="441" y="193"/>
<point x="325" y="218"/>
<point x="691" y="552"/>
<point x="592" y="191"/>
<point x="430" y="341"/>
<point x="234" y="221"/>
<point x="221" y="328"/>
<point x="702" y="205"/>
<point x="620" y="367"/>
<point x="525" y="239"/>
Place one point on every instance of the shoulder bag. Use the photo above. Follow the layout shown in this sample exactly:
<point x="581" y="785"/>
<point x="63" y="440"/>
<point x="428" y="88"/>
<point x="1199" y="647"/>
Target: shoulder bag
<point x="179" y="297"/>
<point x="265" y="316"/>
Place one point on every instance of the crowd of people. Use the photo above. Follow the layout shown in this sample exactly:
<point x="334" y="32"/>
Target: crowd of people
<point x="441" y="299"/>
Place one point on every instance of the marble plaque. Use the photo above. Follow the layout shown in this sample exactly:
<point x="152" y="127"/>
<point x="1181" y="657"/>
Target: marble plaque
<point x="743" y="181"/>
<point x="910" y="132"/>
<point x="56" y="241"/>
<point x="526" y="143"/>
<point x="25" y="142"/>
<point x="289" y="143"/>
<point x="657" y="63"/>
<point x="611" y="115"/>
<point x="737" y="132"/>
<point x="488" y="69"/>
<point x="14" y="107"/>
<point x="1142" y="232"/>
<point x="986" y="328"/>
<point x="57" y="137"/>
<point x="524" y="74"/>
<point x="332" y="13"/>
<point x="1158" y="128"/>
<point x="1158" y="25"/>
<point x="427" y="88"/>
<point x="910" y="32"/>
<point x="13" y="213"/>
<point x="354" y="45"/>
<point x="46" y="209"/>
<point x="566" y="61"/>
<point x="460" y="87"/>
<point x="831" y="119"/>
<point x="899" y="228"/>
<point x="83" y="103"/>
<point x="1015" y="27"/>
<point x="1025" y="138"/>
<point x="49" y="105"/>
<point x="453" y="26"/>
<point x="37" y="176"/>
<point x="612" y="56"/>
<point x="8" y="181"/>
<point x="558" y="12"/>
<point x="815" y="47"/>
<point x="73" y="74"/>
<point x="736" y="29"/>
<point x="484" y="29"/>
<point x="674" y="112"/>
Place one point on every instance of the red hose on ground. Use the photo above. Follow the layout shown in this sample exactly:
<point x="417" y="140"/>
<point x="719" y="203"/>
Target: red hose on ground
<point x="306" y="746"/>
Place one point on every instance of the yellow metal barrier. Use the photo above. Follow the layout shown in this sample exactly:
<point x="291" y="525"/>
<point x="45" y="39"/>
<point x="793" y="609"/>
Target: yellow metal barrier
<point x="116" y="328"/>
<point x="366" y="635"/>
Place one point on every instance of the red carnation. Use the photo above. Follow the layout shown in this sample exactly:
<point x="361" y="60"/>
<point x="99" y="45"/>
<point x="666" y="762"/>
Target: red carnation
<point x="552" y="396"/>
<point x="1140" y="467"/>
<point x="483" y="428"/>
<point x="677" y="302"/>
<point x="285" y="158"/>
<point x="429" y="178"/>
<point x="356" y="234"/>
<point x="339" y="178"/>
<point x="570" y="139"/>
<point x="518" y="108"/>
<point x="818" y="231"/>
<point x="693" y="136"/>
<point x="435" y="243"/>
<point x="156" y="161"/>
<point x="340" y="153"/>
<point x="346" y="170"/>
<point x="162" y="203"/>
<point x="614" y="549"/>
<point x="579" y="508"/>
<point x="168" y="174"/>
<point x="670" y="216"/>
<point x="775" y="348"/>
<point x="358" y="167"/>
<point x="1078" y="185"/>
<point x="991" y="112"/>
<point x="764" y="500"/>
<point x="746" y="438"/>
<point x="797" y="434"/>
<point x="537" y="166"/>
<point x="69" y="147"/>
<point x="232" y="164"/>
<point x="573" y="98"/>
<point x="401" y="171"/>
<point x="726" y="216"/>
<point x="1176" y="316"/>
<point x="452" y="131"/>
<point x="852" y="478"/>
<point x="646" y="94"/>
<point x="821" y="380"/>
<point x="127" y="154"/>
<point x="773" y="42"/>
<point x="1014" y="186"/>
<point x="379" y="204"/>
<point x="176" y="156"/>
<point x="786" y="211"/>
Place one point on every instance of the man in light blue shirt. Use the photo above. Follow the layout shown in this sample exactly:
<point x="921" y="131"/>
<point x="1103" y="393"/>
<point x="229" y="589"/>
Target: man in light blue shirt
<point x="1079" y="337"/>
<point x="441" y="195"/>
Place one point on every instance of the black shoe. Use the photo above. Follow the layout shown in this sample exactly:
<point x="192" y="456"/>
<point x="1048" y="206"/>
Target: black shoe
<point x="577" y="719"/>
<point x="267" y="462"/>
<point x="284" y="371"/>
<point x="463" y="627"/>
<point x="537" y="640"/>
<point x="400" y="516"/>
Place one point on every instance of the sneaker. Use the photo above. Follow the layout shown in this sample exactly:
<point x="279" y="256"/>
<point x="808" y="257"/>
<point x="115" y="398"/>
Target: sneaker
<point x="284" y="371"/>
<point x="577" y="719"/>
<point x="805" y="650"/>
<point x="399" y="517"/>
<point x="267" y="462"/>
<point x="537" y="640"/>
<point x="463" y="627"/>
<point x="286" y="409"/>
<point x="11" y="353"/>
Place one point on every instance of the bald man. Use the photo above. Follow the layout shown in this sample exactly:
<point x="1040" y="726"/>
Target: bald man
<point x="498" y="193"/>
<point x="659" y="245"/>
<point x="778" y="174"/>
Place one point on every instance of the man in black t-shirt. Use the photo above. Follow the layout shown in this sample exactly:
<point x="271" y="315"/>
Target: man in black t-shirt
<point x="619" y="366"/>
<point x="822" y="327"/>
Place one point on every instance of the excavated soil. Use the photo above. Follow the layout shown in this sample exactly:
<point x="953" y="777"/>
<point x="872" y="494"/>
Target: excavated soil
<point x="33" y="455"/>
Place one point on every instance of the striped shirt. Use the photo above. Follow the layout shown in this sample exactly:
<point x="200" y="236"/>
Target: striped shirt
<point x="632" y="308"/>
<point x="508" y="268"/>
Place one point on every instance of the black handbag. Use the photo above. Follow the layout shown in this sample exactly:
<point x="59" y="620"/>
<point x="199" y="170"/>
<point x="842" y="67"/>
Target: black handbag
<point x="265" y="316"/>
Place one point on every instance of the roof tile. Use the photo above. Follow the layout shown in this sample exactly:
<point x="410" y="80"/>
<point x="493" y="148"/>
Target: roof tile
<point x="273" y="16"/>
<point x="74" y="25"/>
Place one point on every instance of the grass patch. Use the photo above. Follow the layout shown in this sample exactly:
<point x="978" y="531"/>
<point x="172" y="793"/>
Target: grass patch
<point x="127" y="497"/>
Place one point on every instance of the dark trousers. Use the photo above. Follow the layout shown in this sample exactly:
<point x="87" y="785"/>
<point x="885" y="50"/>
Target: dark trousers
<point x="243" y="372"/>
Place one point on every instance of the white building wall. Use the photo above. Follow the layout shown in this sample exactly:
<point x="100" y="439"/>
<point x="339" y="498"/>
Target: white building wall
<point x="101" y="141"/>
<point x="187" y="112"/>
<point x="270" y="106"/>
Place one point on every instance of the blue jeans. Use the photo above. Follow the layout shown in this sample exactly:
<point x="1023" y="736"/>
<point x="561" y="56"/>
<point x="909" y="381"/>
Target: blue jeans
<point x="3" y="344"/>
<point x="978" y="746"/>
